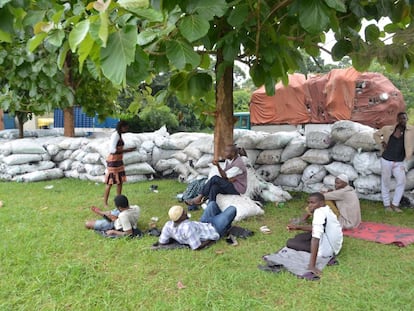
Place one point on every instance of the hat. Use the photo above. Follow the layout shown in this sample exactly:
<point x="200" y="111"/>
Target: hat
<point x="175" y="212"/>
<point x="343" y="177"/>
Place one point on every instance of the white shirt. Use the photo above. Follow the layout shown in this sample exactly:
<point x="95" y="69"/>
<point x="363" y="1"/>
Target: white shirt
<point x="113" y="142"/>
<point x="234" y="171"/>
<point x="127" y="220"/>
<point x="326" y="228"/>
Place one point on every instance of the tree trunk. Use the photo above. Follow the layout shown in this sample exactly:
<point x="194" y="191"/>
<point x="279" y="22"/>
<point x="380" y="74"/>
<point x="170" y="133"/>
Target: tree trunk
<point x="68" y="122"/>
<point x="223" y="130"/>
<point x="1" y="120"/>
<point x="68" y="119"/>
<point x="20" y="121"/>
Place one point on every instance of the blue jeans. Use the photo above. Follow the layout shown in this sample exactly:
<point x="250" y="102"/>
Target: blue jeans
<point x="217" y="185"/>
<point x="221" y="221"/>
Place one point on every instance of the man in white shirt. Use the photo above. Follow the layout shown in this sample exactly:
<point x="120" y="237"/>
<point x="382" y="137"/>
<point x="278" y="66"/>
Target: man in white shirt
<point x="322" y="238"/>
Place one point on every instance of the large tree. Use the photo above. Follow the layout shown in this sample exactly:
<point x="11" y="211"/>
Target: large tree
<point x="129" y="40"/>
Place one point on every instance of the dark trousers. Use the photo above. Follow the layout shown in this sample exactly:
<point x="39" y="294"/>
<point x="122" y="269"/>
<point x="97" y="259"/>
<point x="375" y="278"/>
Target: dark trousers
<point x="217" y="185"/>
<point x="301" y="242"/>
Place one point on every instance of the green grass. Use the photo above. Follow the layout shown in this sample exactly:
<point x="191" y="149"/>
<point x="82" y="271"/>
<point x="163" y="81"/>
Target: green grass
<point x="50" y="262"/>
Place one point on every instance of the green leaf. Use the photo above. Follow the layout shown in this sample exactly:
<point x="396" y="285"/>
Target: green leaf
<point x="199" y="84"/>
<point x="238" y="15"/>
<point x="35" y="41"/>
<point x="193" y="27"/>
<point x="337" y="5"/>
<point x="138" y="70"/>
<point x="84" y="49"/>
<point x="341" y="49"/>
<point x="118" y="54"/>
<point x="103" y="29"/>
<point x="258" y="74"/>
<point x="33" y="17"/>
<point x="149" y="14"/>
<point x="208" y="9"/>
<point x="62" y="54"/>
<point x="133" y="4"/>
<point x="372" y="33"/>
<point x="180" y="53"/>
<point x="5" y="36"/>
<point x="4" y="2"/>
<point x="147" y="36"/>
<point x="78" y="33"/>
<point x="313" y="16"/>
<point x="205" y="61"/>
<point x="56" y="37"/>
<point x="178" y="82"/>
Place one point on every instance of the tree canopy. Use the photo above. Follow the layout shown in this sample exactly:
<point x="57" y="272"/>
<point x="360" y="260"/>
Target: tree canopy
<point x="129" y="41"/>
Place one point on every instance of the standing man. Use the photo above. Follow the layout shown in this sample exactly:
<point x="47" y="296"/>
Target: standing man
<point x="232" y="179"/>
<point x="397" y="145"/>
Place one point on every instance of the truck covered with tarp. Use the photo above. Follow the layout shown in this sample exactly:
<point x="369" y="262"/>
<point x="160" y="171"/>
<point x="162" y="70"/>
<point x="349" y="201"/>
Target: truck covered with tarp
<point x="342" y="94"/>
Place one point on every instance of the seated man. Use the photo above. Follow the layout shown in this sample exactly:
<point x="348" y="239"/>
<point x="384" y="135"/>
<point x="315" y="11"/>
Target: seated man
<point x="323" y="238"/>
<point x="347" y="202"/>
<point x="119" y="222"/>
<point x="213" y="225"/>
<point x="232" y="180"/>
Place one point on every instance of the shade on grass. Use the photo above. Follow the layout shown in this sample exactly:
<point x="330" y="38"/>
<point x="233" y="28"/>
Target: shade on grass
<point x="50" y="262"/>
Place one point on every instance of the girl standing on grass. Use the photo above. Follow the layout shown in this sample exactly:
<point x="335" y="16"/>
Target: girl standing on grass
<point x="115" y="170"/>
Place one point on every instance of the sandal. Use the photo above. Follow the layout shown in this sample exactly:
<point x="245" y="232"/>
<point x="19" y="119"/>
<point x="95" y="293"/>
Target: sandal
<point x="265" y="230"/>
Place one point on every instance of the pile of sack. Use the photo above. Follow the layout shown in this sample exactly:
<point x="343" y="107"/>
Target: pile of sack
<point x="277" y="162"/>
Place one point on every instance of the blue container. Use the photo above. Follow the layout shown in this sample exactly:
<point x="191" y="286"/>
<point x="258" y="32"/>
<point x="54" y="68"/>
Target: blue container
<point x="8" y="121"/>
<point x="82" y="120"/>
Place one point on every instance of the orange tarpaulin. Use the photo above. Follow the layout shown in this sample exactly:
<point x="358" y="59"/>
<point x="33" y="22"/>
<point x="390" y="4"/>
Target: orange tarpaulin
<point x="287" y="106"/>
<point x="342" y="94"/>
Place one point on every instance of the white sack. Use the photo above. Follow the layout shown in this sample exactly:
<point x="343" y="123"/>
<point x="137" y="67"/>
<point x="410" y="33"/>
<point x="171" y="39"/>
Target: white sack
<point x="5" y="148"/>
<point x="250" y="139"/>
<point x="318" y="140"/>
<point x="276" y="140"/>
<point x="161" y="154"/>
<point x="245" y="206"/>
<point x="78" y="166"/>
<point x="367" y="163"/>
<point x="252" y="154"/>
<point x="317" y="156"/>
<point x="135" y="157"/>
<point x="180" y="156"/>
<point x="163" y="165"/>
<point x="28" y="168"/>
<point x="52" y="149"/>
<point x="268" y="172"/>
<point x="272" y="193"/>
<point x="314" y="173"/>
<point x="73" y="143"/>
<point x="329" y="181"/>
<point x="342" y="153"/>
<point x="139" y="169"/>
<point x="94" y="169"/>
<point x="136" y="178"/>
<point x="336" y="168"/>
<point x="289" y="180"/>
<point x="53" y="173"/>
<point x="91" y="158"/>
<point x="363" y="141"/>
<point x="204" y="161"/>
<point x="342" y="130"/>
<point x="295" y="148"/>
<point x="269" y="157"/>
<point x="15" y="159"/>
<point x="368" y="184"/>
<point x="66" y="164"/>
<point x="26" y="145"/>
<point x="293" y="166"/>
<point x="316" y="187"/>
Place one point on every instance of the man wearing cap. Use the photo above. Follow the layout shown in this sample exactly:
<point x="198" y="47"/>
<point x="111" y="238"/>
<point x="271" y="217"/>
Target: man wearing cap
<point x="347" y="202"/>
<point x="397" y="145"/>
<point x="197" y="234"/>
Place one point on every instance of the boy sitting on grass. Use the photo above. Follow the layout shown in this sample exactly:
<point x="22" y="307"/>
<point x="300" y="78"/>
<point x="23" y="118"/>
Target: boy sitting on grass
<point x="322" y="238"/>
<point x="119" y="222"/>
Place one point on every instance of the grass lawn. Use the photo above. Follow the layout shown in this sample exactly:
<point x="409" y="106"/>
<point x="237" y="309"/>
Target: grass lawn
<point x="50" y="262"/>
